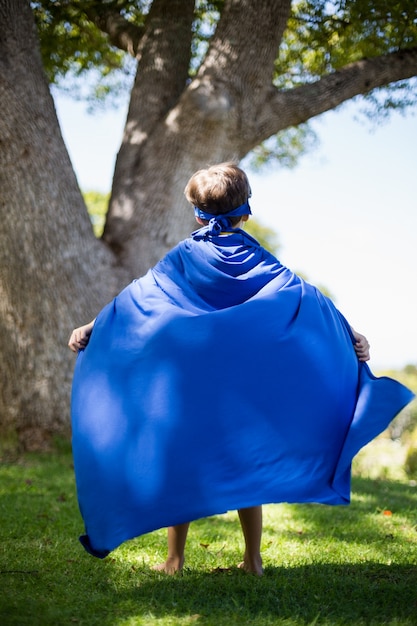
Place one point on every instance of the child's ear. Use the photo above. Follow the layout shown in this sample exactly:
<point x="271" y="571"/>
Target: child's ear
<point x="245" y="218"/>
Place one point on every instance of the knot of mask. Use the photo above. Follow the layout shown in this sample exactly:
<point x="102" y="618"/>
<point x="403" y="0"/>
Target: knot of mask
<point x="222" y="222"/>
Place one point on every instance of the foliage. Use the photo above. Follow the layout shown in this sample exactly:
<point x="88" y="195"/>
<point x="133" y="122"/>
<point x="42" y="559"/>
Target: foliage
<point x="406" y="421"/>
<point x="320" y="37"/>
<point x="72" y="45"/>
<point x="405" y="425"/>
<point x="328" y="566"/>
<point x="97" y="204"/>
<point x="408" y="376"/>
<point x="411" y="456"/>
<point x="287" y="147"/>
<point x="324" y="36"/>
<point x="266" y="236"/>
<point x="399" y="96"/>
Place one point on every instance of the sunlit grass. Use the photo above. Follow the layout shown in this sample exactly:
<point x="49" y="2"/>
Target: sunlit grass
<point x="354" y="565"/>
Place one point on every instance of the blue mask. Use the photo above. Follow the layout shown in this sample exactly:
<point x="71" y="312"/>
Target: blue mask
<point x="217" y="223"/>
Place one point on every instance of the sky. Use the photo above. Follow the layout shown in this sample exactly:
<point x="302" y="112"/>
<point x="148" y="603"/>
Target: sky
<point x="346" y="216"/>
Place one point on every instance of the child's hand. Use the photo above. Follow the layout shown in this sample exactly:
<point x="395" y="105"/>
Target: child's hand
<point x="80" y="337"/>
<point x="361" y="346"/>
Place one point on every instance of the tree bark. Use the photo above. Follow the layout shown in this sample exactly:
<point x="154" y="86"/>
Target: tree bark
<point x="54" y="274"/>
<point x="122" y="33"/>
<point x="163" y="62"/>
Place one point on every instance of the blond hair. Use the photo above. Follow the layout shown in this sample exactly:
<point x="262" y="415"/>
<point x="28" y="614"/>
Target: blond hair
<point x="218" y="189"/>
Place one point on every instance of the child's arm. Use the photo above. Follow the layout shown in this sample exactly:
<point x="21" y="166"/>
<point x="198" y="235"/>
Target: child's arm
<point x="80" y="337"/>
<point x="361" y="346"/>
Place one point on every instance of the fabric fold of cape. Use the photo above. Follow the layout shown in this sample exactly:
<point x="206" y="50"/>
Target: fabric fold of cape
<point x="219" y="380"/>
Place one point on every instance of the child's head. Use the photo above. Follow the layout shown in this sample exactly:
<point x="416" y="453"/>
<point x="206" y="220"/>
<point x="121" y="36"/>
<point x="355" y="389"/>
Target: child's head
<point x="218" y="189"/>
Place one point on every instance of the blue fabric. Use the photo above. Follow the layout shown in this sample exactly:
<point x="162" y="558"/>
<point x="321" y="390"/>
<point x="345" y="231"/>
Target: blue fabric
<point x="219" y="380"/>
<point x="219" y="223"/>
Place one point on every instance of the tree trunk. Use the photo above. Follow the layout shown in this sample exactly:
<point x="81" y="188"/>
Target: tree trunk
<point x="229" y="107"/>
<point x="54" y="275"/>
<point x="204" y="122"/>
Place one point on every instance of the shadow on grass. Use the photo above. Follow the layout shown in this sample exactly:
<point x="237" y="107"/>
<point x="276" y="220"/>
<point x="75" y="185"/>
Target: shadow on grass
<point x="348" y="594"/>
<point x="336" y="595"/>
<point x="46" y="579"/>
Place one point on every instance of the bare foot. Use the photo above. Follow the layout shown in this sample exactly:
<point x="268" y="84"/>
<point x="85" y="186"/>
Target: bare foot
<point x="170" y="566"/>
<point x="252" y="566"/>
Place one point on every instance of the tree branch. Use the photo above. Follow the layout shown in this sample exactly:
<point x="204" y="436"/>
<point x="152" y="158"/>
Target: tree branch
<point x="122" y="33"/>
<point x="289" y="108"/>
<point x="241" y="45"/>
<point x="163" y="63"/>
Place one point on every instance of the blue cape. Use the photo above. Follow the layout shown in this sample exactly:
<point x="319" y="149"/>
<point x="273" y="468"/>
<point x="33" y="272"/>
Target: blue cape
<point x="219" y="380"/>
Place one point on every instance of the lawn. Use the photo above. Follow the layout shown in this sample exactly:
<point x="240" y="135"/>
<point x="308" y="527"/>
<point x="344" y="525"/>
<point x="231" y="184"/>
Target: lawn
<point x="354" y="565"/>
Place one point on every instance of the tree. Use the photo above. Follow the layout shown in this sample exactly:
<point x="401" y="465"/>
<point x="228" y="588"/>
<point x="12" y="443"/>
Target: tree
<point x="213" y="81"/>
<point x="47" y="274"/>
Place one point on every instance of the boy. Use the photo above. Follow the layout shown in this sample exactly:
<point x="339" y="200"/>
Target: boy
<point x="219" y="380"/>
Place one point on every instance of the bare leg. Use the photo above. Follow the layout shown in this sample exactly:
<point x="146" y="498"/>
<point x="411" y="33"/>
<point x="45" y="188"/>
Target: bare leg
<point x="251" y="522"/>
<point x="177" y="536"/>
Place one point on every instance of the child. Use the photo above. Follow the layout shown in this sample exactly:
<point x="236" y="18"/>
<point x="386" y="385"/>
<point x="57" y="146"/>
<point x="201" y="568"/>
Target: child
<point x="219" y="380"/>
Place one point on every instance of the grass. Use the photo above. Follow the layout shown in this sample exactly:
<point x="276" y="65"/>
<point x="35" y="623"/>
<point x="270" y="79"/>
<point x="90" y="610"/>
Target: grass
<point x="324" y="566"/>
